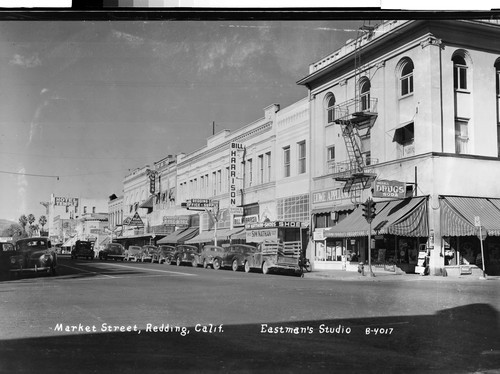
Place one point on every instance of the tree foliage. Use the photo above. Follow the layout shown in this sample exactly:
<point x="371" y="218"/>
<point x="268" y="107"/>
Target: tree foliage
<point x="42" y="221"/>
<point x="23" y="221"/>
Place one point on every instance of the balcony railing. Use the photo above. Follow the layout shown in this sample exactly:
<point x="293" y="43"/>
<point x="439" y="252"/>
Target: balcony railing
<point x="347" y="168"/>
<point x="364" y="104"/>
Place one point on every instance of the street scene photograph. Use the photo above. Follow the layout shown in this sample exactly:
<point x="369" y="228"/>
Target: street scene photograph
<point x="249" y="191"/>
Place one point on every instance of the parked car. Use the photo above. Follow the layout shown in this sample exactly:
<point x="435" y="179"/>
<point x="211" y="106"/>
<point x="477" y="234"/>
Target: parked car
<point x="209" y="253"/>
<point x="149" y="253"/>
<point x="83" y="249"/>
<point x="133" y="253"/>
<point x="234" y="256"/>
<point x="185" y="253"/>
<point x="166" y="254"/>
<point x="33" y="254"/>
<point x="114" y="251"/>
<point x="6" y="251"/>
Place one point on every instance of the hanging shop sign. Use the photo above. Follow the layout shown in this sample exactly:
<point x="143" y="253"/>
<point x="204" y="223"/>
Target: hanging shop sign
<point x="389" y="188"/>
<point x="136" y="221"/>
<point x="258" y="225"/>
<point x="233" y="163"/>
<point x="66" y="201"/>
<point x="238" y="210"/>
<point x="176" y="220"/>
<point x="319" y="234"/>
<point x="201" y="203"/>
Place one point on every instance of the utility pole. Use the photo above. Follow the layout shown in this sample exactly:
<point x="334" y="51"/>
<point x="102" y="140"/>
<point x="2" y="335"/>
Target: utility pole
<point x="369" y="214"/>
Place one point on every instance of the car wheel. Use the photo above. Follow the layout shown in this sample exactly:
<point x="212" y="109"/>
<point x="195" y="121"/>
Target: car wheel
<point x="247" y="267"/>
<point x="216" y="264"/>
<point x="178" y="261"/>
<point x="52" y="271"/>
<point x="234" y="265"/>
<point x="205" y="264"/>
<point x="194" y="263"/>
<point x="265" y="268"/>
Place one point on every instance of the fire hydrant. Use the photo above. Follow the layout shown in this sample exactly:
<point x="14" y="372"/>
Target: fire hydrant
<point x="361" y="268"/>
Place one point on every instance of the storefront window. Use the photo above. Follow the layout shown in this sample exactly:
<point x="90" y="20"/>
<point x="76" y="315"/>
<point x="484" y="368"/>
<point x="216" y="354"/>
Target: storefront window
<point x="328" y="250"/>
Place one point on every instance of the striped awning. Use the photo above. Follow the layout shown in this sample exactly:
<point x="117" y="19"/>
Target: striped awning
<point x="179" y="236"/>
<point x="458" y="215"/>
<point x="331" y="209"/>
<point x="406" y="217"/>
<point x="208" y="236"/>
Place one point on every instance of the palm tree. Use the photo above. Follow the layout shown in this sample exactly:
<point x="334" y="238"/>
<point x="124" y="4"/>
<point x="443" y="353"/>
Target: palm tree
<point x="34" y="229"/>
<point x="31" y="219"/>
<point x="23" y="221"/>
<point x="42" y="221"/>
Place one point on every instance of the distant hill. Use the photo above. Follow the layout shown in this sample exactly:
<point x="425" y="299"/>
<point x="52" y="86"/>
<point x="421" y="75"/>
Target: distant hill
<point x="4" y="223"/>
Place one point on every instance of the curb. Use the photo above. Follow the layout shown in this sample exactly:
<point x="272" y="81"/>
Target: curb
<point x="379" y="277"/>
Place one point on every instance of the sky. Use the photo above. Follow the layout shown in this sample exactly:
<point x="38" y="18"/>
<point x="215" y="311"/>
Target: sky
<point x="84" y="102"/>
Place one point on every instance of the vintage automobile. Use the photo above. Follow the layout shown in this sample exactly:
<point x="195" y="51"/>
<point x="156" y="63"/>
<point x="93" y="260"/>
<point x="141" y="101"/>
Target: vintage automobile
<point x="133" y="253"/>
<point x="185" y="254"/>
<point x="165" y="254"/>
<point x="33" y="254"/>
<point x="6" y="251"/>
<point x="275" y="256"/>
<point x="209" y="253"/>
<point x="83" y="248"/>
<point x="149" y="253"/>
<point x="234" y="256"/>
<point x="113" y="251"/>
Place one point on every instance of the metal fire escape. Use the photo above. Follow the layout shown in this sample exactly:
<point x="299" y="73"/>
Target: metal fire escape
<point x="351" y="115"/>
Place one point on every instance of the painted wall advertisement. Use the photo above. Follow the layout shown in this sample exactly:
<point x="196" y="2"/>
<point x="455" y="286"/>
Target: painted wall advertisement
<point x="258" y="236"/>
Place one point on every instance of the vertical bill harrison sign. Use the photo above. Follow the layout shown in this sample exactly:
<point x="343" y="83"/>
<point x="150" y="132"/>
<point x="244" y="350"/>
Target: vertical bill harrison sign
<point x="233" y="164"/>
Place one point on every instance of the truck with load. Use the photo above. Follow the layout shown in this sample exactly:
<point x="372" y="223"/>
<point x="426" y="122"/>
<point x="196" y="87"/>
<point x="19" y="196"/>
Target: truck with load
<point x="280" y="246"/>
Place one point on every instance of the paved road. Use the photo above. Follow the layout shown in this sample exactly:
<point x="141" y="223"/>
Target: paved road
<point x="98" y="316"/>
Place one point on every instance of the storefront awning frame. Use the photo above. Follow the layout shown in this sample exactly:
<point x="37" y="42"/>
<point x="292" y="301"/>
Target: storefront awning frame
<point x="458" y="215"/>
<point x="402" y="217"/>
<point x="179" y="236"/>
<point x="208" y="236"/>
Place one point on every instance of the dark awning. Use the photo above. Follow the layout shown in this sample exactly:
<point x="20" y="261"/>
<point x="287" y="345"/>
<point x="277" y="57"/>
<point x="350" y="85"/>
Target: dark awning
<point x="339" y="208"/>
<point x="148" y="203"/>
<point x="179" y="236"/>
<point x="208" y="236"/>
<point x="458" y="215"/>
<point x="406" y="217"/>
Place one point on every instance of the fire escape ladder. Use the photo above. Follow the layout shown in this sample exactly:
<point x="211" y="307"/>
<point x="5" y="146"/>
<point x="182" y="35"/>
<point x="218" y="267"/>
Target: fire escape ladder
<point x="350" y="134"/>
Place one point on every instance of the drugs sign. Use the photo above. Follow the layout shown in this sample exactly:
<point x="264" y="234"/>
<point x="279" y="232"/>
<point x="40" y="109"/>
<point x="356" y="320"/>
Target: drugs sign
<point x="389" y="188"/>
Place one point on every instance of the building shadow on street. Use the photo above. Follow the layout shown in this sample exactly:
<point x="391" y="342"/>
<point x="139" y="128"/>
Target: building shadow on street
<point x="458" y="340"/>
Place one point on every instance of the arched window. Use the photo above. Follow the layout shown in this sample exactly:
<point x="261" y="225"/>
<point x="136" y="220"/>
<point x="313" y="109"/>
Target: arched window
<point x="407" y="78"/>
<point x="330" y="108"/>
<point x="459" y="72"/>
<point x="364" y="88"/>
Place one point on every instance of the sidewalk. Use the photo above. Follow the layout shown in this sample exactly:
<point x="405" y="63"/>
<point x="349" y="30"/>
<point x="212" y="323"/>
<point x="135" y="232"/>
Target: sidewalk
<point x="342" y="275"/>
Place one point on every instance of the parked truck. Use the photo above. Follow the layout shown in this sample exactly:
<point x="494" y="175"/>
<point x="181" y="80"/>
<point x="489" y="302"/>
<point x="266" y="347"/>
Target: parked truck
<point x="280" y="247"/>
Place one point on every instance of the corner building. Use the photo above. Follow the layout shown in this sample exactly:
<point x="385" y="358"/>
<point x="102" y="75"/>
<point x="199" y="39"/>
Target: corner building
<point x="411" y="103"/>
